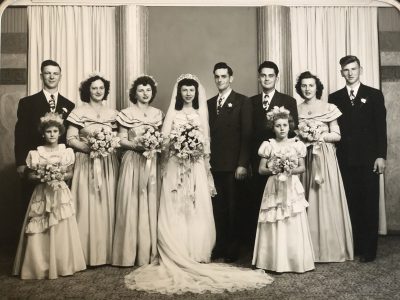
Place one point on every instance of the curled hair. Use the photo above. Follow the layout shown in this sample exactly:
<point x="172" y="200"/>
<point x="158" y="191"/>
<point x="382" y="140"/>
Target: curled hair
<point x="84" y="89"/>
<point x="307" y="75"/>
<point x="348" y="59"/>
<point x="142" y="80"/>
<point x="222" y="65"/>
<point x="51" y="119"/>
<point x="49" y="62"/>
<point x="179" y="100"/>
<point x="279" y="113"/>
<point x="270" y="65"/>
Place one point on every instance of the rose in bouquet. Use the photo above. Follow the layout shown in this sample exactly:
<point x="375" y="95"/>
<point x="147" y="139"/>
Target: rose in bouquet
<point x="310" y="131"/>
<point x="187" y="142"/>
<point x="151" y="140"/>
<point x="102" y="142"/>
<point x="52" y="174"/>
<point x="282" y="163"/>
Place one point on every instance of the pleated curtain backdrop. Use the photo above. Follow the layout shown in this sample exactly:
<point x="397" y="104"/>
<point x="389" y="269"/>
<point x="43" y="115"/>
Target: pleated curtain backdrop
<point x="322" y="35"/>
<point x="81" y="39"/>
<point x="274" y="42"/>
<point x="132" y="49"/>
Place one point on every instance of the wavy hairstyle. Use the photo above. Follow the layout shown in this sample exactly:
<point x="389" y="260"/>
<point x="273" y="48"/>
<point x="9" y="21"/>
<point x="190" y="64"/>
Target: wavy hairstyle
<point x="179" y="100"/>
<point x="307" y="75"/>
<point x="142" y="80"/>
<point x="51" y="119"/>
<point x="84" y="89"/>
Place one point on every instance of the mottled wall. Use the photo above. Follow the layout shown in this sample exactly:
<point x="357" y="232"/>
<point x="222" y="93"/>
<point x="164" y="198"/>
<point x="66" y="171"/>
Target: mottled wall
<point x="389" y="43"/>
<point x="13" y="81"/>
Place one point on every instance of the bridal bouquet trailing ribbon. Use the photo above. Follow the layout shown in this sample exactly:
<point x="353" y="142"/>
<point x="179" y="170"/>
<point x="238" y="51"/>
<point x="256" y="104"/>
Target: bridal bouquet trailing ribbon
<point x="102" y="142"/>
<point x="311" y="132"/>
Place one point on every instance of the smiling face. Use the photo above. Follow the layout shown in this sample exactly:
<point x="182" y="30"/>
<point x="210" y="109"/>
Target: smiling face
<point x="351" y="73"/>
<point x="308" y="88"/>
<point x="188" y="93"/>
<point x="268" y="79"/>
<point x="51" y="77"/>
<point x="97" y="91"/>
<point x="222" y="79"/>
<point x="51" y="135"/>
<point x="281" y="128"/>
<point x="144" y="93"/>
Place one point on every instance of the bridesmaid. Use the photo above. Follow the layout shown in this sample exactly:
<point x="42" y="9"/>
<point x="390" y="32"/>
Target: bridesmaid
<point x="328" y="214"/>
<point x="135" y="238"/>
<point x="95" y="179"/>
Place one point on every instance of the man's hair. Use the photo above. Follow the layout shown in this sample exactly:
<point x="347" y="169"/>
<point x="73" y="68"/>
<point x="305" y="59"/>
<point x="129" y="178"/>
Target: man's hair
<point x="270" y="65"/>
<point x="49" y="62"/>
<point x="222" y="65"/>
<point x="348" y="59"/>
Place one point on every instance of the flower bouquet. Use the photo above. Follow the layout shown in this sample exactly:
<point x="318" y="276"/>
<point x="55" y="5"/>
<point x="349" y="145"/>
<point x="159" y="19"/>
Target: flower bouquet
<point x="52" y="174"/>
<point x="310" y="131"/>
<point x="187" y="142"/>
<point x="282" y="163"/>
<point x="102" y="142"/>
<point x="151" y="140"/>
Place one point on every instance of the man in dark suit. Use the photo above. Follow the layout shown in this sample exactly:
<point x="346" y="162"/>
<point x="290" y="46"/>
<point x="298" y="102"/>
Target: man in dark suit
<point x="268" y="76"/>
<point x="230" y="130"/>
<point x="361" y="153"/>
<point x="30" y="110"/>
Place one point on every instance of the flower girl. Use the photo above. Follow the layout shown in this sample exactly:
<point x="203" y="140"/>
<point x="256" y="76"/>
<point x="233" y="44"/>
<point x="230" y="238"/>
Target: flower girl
<point x="49" y="245"/>
<point x="283" y="242"/>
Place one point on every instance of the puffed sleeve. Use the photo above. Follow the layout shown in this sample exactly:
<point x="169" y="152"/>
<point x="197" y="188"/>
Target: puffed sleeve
<point x="32" y="160"/>
<point x="124" y="119"/>
<point x="68" y="157"/>
<point x="301" y="149"/>
<point x="265" y="150"/>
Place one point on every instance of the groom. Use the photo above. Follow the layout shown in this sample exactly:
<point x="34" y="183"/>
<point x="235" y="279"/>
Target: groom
<point x="230" y="130"/>
<point x="361" y="153"/>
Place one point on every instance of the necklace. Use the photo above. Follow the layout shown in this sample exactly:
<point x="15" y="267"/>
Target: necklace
<point x="144" y="111"/>
<point x="97" y="111"/>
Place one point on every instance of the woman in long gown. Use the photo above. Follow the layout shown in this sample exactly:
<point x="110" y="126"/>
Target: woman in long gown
<point x="95" y="179"/>
<point x="135" y="235"/>
<point x="328" y="213"/>
<point x="49" y="245"/>
<point x="186" y="230"/>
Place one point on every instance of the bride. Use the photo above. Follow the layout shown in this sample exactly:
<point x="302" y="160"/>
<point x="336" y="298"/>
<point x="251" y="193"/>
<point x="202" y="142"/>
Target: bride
<point x="186" y="230"/>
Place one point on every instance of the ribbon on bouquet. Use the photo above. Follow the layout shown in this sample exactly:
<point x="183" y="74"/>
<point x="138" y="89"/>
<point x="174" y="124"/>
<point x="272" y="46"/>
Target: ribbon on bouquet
<point x="317" y="163"/>
<point x="146" y="175"/>
<point x="97" y="173"/>
<point x="281" y="187"/>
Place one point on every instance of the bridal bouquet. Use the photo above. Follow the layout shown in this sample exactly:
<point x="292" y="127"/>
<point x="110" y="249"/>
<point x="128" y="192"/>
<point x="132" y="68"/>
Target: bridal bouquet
<point x="310" y="131"/>
<point x="187" y="142"/>
<point x="52" y="174"/>
<point x="282" y="163"/>
<point x="151" y="139"/>
<point x="102" y="142"/>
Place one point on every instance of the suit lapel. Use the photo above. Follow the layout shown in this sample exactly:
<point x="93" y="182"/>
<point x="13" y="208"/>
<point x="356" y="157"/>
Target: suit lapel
<point x="229" y="102"/>
<point x="43" y="104"/>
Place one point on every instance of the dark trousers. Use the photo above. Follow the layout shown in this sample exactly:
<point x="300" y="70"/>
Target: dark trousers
<point x="362" y="192"/>
<point x="225" y="206"/>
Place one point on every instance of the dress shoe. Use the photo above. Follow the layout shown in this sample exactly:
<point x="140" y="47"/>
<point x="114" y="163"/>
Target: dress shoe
<point x="365" y="259"/>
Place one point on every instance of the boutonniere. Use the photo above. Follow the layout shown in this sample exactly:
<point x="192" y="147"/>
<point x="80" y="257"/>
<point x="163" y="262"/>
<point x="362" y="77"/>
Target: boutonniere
<point x="363" y="100"/>
<point x="230" y="105"/>
<point x="65" y="110"/>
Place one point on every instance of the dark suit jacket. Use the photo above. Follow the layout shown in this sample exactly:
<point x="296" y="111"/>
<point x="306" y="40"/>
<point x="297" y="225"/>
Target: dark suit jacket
<point x="260" y="131"/>
<point x="230" y="132"/>
<point x="362" y="126"/>
<point x="30" y="110"/>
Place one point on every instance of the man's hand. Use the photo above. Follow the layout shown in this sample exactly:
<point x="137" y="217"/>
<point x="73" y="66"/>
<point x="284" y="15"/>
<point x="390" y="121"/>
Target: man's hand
<point x="379" y="165"/>
<point x="241" y="173"/>
<point x="21" y="171"/>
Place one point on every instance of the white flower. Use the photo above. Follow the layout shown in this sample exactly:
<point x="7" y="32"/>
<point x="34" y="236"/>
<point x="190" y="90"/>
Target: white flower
<point x="229" y="104"/>
<point x="65" y="110"/>
<point x="363" y="100"/>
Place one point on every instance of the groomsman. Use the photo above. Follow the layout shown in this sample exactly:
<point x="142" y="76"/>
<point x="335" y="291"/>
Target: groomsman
<point x="361" y="153"/>
<point x="268" y="76"/>
<point x="230" y="131"/>
<point x="30" y="110"/>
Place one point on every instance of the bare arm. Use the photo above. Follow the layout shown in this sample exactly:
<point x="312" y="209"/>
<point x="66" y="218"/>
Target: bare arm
<point x="73" y="140"/>
<point x="300" y="168"/>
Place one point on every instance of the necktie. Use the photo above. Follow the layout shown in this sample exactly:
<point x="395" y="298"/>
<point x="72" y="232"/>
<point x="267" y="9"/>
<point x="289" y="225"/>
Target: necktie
<point x="219" y="104"/>
<point x="52" y="103"/>
<point x="265" y="101"/>
<point x="352" y="97"/>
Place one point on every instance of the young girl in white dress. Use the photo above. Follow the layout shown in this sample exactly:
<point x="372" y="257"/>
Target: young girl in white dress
<point x="49" y="245"/>
<point x="283" y="241"/>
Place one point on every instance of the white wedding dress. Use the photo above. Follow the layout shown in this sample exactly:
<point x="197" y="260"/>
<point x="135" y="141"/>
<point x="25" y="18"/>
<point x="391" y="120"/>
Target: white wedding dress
<point x="186" y="236"/>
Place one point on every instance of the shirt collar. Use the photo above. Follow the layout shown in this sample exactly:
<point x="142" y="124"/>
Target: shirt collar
<point x="225" y="93"/>
<point x="270" y="94"/>
<point x="354" y="88"/>
<point x="48" y="95"/>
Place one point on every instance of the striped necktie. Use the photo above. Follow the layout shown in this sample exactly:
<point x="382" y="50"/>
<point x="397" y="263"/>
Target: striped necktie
<point x="219" y="104"/>
<point x="352" y="97"/>
<point x="265" y="101"/>
<point x="52" y="103"/>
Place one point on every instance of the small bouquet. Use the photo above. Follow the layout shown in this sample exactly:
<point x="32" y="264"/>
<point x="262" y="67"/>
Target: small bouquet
<point x="151" y="139"/>
<point x="310" y="131"/>
<point x="52" y="174"/>
<point x="187" y="142"/>
<point x="282" y="163"/>
<point x="102" y="142"/>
